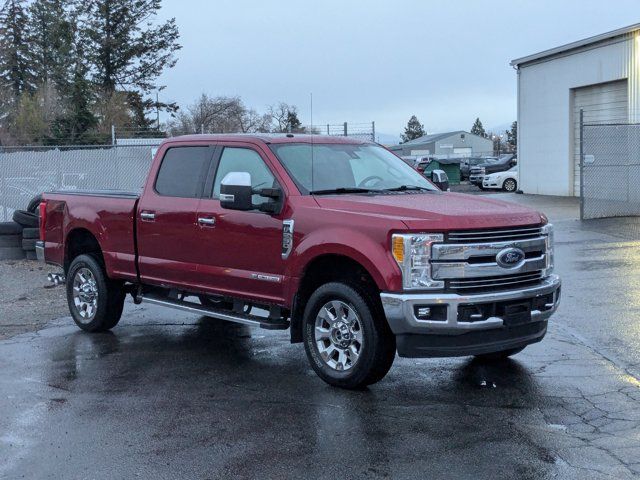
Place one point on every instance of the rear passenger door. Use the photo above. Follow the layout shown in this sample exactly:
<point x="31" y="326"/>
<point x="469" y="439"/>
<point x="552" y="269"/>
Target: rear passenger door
<point x="169" y="248"/>
<point x="244" y="248"/>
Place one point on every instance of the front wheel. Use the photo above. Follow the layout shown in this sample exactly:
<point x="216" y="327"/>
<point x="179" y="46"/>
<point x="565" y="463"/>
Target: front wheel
<point x="510" y="185"/>
<point x="95" y="301"/>
<point x="346" y="336"/>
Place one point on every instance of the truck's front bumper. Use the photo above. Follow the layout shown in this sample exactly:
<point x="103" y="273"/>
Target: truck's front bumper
<point x="470" y="324"/>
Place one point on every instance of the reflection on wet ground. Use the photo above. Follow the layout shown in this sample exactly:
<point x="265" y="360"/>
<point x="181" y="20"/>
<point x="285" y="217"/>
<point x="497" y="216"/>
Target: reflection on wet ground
<point x="166" y="395"/>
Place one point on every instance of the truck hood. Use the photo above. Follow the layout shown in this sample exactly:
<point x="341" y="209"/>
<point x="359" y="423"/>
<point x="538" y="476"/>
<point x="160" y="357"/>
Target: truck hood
<point x="436" y="211"/>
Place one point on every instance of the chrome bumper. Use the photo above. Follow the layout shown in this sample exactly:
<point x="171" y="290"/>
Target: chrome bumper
<point x="40" y="251"/>
<point x="399" y="309"/>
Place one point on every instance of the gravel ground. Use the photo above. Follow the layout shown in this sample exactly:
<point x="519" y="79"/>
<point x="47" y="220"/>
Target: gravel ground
<point x="26" y="303"/>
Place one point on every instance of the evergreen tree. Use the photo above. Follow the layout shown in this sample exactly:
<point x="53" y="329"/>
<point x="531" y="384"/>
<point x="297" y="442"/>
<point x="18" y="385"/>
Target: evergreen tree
<point x="478" y="129"/>
<point x="126" y="51"/>
<point x="413" y="130"/>
<point x="293" y="122"/>
<point x="50" y="38"/>
<point x="15" y="73"/>
<point x="512" y="137"/>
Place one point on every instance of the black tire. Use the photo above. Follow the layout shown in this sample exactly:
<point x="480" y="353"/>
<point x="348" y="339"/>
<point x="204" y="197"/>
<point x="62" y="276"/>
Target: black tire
<point x="34" y="204"/>
<point x="377" y="350"/>
<point x="11" y="253"/>
<point x="29" y="244"/>
<point x="29" y="233"/>
<point x="12" y="241"/>
<point x="110" y="296"/>
<point x="10" y="228"/>
<point x="481" y="187"/>
<point x="509" y="185"/>
<point x="26" y="219"/>
<point x="497" y="356"/>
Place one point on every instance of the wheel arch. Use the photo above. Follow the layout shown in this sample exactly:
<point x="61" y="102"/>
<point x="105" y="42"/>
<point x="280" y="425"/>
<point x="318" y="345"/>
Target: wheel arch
<point x="80" y="241"/>
<point x="322" y="269"/>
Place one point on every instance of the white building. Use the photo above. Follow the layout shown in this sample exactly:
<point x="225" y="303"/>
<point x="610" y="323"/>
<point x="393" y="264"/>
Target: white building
<point x="601" y="76"/>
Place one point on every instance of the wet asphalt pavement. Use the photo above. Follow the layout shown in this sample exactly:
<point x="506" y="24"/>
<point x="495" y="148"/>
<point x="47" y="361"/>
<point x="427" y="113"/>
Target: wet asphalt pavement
<point x="171" y="395"/>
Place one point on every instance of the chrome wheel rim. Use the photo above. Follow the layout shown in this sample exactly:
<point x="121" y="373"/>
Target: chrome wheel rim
<point x="338" y="335"/>
<point x="85" y="294"/>
<point x="510" y="186"/>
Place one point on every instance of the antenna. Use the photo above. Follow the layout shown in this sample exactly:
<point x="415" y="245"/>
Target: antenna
<point x="311" y="114"/>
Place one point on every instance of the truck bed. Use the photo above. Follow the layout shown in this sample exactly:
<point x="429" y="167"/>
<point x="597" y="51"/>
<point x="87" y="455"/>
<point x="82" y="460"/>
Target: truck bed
<point x="108" y="215"/>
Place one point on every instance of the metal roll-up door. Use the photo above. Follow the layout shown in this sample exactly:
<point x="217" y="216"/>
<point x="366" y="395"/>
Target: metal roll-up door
<point x="602" y="103"/>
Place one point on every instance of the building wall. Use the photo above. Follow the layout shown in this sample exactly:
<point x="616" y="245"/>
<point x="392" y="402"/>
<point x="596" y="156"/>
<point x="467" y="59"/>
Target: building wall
<point x="479" y="145"/>
<point x="545" y="118"/>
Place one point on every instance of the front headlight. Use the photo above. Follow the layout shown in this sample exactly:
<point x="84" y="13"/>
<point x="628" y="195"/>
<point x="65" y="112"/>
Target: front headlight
<point x="549" y="241"/>
<point x="413" y="254"/>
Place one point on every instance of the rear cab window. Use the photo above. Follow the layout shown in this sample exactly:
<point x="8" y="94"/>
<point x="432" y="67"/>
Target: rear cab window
<point x="182" y="171"/>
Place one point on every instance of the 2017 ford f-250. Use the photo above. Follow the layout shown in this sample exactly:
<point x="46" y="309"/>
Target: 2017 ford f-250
<point x="336" y="239"/>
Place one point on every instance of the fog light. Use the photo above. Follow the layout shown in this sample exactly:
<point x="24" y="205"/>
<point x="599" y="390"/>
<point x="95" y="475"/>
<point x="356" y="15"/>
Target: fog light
<point x="431" y="312"/>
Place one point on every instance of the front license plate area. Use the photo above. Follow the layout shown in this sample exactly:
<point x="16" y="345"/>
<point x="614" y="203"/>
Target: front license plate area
<point x="517" y="314"/>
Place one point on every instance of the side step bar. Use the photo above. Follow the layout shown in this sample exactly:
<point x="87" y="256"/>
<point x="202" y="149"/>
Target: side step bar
<point x="250" y="320"/>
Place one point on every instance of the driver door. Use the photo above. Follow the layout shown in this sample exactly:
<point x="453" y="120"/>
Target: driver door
<point x="244" y="247"/>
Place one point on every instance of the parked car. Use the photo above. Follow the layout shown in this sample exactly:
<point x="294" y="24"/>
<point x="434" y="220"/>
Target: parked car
<point x="477" y="173"/>
<point x="419" y="162"/>
<point x="333" y="238"/>
<point x="468" y="163"/>
<point x="507" y="181"/>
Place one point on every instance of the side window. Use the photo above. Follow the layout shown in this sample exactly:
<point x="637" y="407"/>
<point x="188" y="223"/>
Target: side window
<point x="182" y="171"/>
<point x="244" y="160"/>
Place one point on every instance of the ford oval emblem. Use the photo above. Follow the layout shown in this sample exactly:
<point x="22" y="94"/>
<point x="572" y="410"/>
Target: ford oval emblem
<point x="510" y="257"/>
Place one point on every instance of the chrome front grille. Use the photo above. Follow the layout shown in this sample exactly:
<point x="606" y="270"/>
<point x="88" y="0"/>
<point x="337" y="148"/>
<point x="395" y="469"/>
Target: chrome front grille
<point x="495" y="235"/>
<point x="494" y="283"/>
<point x="466" y="261"/>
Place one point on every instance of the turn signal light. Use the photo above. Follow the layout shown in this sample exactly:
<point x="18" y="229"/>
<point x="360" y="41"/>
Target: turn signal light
<point x="397" y="248"/>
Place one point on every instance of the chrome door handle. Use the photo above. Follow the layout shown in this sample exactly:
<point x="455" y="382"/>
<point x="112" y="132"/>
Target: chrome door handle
<point x="207" y="221"/>
<point x="147" y="216"/>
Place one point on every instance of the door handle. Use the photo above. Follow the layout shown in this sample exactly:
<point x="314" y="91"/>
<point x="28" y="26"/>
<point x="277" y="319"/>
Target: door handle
<point x="148" y="216"/>
<point x="209" y="222"/>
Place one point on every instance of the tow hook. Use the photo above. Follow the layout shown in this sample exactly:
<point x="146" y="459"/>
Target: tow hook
<point x="56" y="279"/>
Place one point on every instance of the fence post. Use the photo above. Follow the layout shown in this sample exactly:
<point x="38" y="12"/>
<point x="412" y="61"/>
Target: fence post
<point x="327" y="129"/>
<point x="113" y="134"/>
<point x="345" y="129"/>
<point x="581" y="164"/>
<point x="373" y="131"/>
<point x="3" y="185"/>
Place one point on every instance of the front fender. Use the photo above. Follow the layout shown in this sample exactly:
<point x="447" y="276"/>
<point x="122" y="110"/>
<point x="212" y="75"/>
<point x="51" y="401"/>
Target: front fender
<point x="373" y="256"/>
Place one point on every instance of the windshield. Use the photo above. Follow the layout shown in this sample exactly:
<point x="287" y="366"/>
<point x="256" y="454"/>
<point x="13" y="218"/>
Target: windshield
<point x="347" y="167"/>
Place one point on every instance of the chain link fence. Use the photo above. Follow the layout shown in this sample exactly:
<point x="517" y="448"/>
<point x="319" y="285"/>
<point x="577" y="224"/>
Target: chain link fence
<point x="363" y="131"/>
<point x="609" y="170"/>
<point x="28" y="171"/>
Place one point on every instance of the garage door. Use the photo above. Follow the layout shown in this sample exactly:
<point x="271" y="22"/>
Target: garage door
<point x="462" y="152"/>
<point x="602" y="103"/>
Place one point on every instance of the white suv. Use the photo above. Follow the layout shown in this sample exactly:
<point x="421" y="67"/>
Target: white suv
<point x="507" y="180"/>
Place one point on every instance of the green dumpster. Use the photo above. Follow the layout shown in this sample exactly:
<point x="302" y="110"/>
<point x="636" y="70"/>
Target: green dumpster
<point x="450" y="167"/>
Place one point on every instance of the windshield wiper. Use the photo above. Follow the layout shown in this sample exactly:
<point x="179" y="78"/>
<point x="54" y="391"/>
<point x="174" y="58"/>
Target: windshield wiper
<point x="404" y="188"/>
<point x="343" y="190"/>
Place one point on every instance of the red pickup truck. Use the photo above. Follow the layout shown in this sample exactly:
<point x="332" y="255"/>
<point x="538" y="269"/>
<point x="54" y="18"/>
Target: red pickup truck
<point x="336" y="239"/>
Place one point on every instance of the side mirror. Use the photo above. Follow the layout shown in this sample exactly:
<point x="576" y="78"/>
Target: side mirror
<point x="440" y="179"/>
<point x="236" y="191"/>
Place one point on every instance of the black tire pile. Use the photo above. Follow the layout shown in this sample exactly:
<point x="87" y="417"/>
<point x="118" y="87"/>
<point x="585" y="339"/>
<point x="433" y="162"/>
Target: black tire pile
<point x="18" y="238"/>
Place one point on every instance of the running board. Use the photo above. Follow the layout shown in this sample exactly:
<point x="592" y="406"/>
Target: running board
<point x="250" y="320"/>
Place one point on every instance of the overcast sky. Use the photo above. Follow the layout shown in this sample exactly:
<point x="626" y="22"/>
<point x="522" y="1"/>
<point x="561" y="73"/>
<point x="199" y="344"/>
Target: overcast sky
<point x="445" y="61"/>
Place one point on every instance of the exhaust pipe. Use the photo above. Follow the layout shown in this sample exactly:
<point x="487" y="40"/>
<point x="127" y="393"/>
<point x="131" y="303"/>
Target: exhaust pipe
<point x="56" y="279"/>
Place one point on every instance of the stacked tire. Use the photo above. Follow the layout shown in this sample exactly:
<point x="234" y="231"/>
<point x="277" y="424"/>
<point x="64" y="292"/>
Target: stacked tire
<point x="18" y="238"/>
<point x="11" y="241"/>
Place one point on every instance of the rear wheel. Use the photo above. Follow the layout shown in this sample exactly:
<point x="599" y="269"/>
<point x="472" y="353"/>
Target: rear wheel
<point x="497" y="356"/>
<point x="346" y="337"/>
<point x="510" y="185"/>
<point x="95" y="301"/>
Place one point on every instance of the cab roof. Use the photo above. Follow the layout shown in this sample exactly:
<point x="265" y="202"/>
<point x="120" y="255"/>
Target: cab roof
<point x="269" y="138"/>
